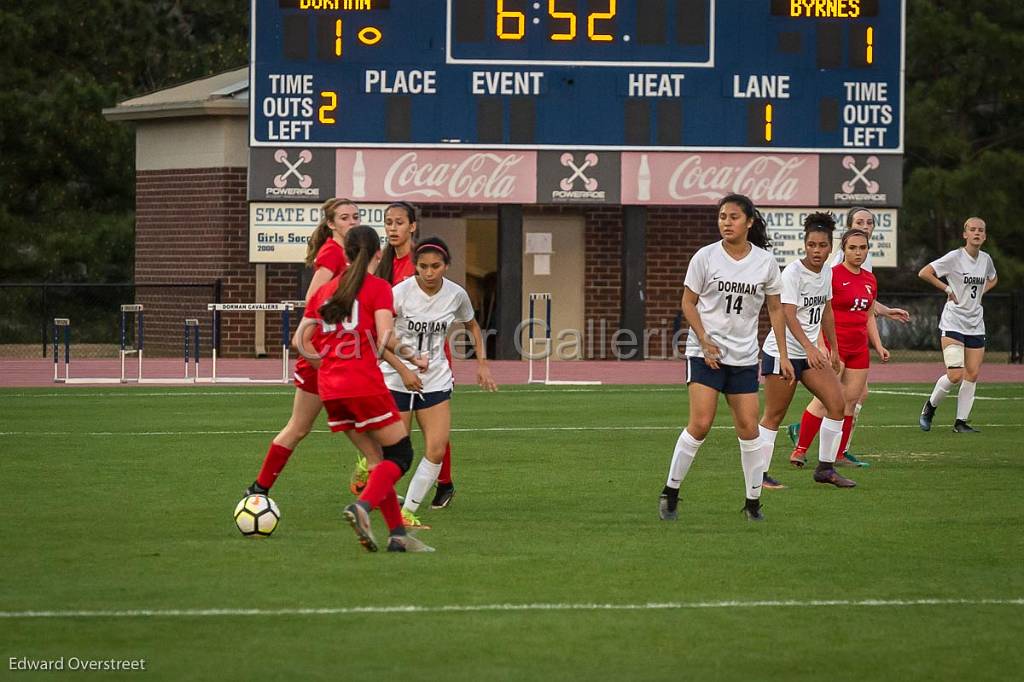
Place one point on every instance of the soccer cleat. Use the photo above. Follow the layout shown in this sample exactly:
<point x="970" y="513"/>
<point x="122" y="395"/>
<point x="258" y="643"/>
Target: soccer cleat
<point x="927" y="414"/>
<point x="360" y="522"/>
<point x="667" y="508"/>
<point x="256" y="489"/>
<point x="443" y="496"/>
<point x="832" y="477"/>
<point x="793" y="431"/>
<point x="798" y="457"/>
<point x="770" y="483"/>
<point x="848" y="460"/>
<point x="961" y="426"/>
<point x="412" y="522"/>
<point x="407" y="543"/>
<point x="752" y="510"/>
<point x="359" y="476"/>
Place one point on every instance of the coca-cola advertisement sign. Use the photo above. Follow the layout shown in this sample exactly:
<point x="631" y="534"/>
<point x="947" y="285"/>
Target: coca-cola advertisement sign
<point x="701" y="179"/>
<point x="435" y="176"/>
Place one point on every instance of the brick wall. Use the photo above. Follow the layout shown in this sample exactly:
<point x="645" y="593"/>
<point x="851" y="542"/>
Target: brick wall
<point x="192" y="226"/>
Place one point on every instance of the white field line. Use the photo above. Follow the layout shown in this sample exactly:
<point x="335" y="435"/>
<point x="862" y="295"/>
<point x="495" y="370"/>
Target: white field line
<point x="478" y="608"/>
<point x="928" y="395"/>
<point x="486" y="429"/>
<point x="515" y="388"/>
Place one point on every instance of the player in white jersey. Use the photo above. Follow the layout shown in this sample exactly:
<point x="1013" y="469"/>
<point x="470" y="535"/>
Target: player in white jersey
<point x="726" y="285"/>
<point x="426" y="308"/>
<point x="857" y="218"/>
<point x="969" y="274"/>
<point x="806" y="296"/>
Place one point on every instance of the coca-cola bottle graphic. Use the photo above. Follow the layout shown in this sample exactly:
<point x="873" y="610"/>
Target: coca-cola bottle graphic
<point x="643" y="180"/>
<point x="358" y="177"/>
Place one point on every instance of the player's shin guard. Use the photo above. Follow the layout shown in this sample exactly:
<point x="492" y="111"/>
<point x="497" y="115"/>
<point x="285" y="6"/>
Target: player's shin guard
<point x="942" y="388"/>
<point x="809" y="425"/>
<point x="445" y="477"/>
<point x="682" y="457"/>
<point x="767" y="445"/>
<point x="392" y="513"/>
<point x="828" y="442"/>
<point x="847" y="431"/>
<point x="273" y="463"/>
<point x="422" y="480"/>
<point x="752" y="459"/>
<point x="965" y="399"/>
<point x="381" y="482"/>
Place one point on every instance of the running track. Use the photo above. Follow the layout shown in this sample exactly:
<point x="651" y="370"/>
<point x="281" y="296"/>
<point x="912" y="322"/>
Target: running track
<point x="27" y="373"/>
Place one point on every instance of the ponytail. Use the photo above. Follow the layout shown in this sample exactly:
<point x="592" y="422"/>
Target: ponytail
<point x="386" y="269"/>
<point x="361" y="245"/>
<point x="323" y="230"/>
<point x="758" y="232"/>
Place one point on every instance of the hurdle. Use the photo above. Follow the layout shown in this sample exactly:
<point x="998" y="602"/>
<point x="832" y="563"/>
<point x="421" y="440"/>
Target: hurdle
<point x="62" y="323"/>
<point x="545" y="340"/>
<point x="285" y="309"/>
<point x="58" y="324"/>
<point x="137" y="310"/>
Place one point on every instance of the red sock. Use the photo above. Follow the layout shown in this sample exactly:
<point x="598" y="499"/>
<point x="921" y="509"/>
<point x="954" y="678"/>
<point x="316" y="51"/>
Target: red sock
<point x="809" y="427"/>
<point x="380" y="483"/>
<point x="273" y="463"/>
<point x="391" y="511"/>
<point x="847" y="430"/>
<point x="445" y="475"/>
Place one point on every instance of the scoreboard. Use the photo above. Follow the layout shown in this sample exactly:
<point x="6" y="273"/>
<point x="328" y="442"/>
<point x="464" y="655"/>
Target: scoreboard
<point x="822" y="76"/>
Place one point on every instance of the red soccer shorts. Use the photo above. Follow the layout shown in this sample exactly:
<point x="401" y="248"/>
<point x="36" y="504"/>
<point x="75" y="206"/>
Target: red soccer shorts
<point x="362" y="413"/>
<point x="304" y="377"/>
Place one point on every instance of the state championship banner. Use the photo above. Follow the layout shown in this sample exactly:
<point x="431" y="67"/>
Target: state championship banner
<point x="786" y="232"/>
<point x="279" y="231"/>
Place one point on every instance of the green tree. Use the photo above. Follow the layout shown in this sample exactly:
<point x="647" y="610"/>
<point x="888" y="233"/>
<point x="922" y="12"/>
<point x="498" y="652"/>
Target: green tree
<point x="965" y="129"/>
<point x="66" y="212"/>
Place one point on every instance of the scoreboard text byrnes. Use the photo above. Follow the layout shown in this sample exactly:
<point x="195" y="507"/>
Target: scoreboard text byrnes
<point x="791" y="75"/>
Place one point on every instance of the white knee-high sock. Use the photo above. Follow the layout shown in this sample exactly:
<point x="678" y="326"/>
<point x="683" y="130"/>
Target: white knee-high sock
<point x="941" y="390"/>
<point x="682" y="458"/>
<point x="965" y="399"/>
<point x="425" y="476"/>
<point x="752" y="459"/>
<point x="828" y="439"/>
<point x="767" y="445"/>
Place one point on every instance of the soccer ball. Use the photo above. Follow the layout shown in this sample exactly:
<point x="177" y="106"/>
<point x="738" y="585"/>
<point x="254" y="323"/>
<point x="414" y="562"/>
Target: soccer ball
<point x="256" y="516"/>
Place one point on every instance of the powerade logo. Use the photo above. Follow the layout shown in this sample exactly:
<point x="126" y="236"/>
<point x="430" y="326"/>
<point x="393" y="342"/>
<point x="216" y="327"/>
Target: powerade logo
<point x="859" y="175"/>
<point x="590" y="184"/>
<point x="292" y="173"/>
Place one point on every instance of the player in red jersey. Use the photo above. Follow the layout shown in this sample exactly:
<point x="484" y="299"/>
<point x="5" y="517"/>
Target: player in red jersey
<point x="854" y="290"/>
<point x="348" y="323"/>
<point x="400" y="222"/>
<point x="325" y="255"/>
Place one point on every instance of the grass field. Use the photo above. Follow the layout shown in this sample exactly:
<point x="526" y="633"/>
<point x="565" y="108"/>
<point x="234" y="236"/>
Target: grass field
<point x="551" y="561"/>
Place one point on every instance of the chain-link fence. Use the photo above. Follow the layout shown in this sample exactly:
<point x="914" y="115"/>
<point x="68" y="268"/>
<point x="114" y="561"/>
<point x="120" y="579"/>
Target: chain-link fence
<point x="94" y="310"/>
<point x="919" y="339"/>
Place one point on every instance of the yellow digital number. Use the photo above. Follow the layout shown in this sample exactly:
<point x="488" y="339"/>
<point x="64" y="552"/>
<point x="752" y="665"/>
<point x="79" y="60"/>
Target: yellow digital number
<point x="330" y="99"/>
<point x="769" y="115"/>
<point x="870" y="56"/>
<point x="518" y="19"/>
<point x="595" y="17"/>
<point x="337" y="38"/>
<point x="570" y="34"/>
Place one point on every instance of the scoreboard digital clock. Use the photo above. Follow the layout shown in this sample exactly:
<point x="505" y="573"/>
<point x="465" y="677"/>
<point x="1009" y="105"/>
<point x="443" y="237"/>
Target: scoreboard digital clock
<point x="723" y="75"/>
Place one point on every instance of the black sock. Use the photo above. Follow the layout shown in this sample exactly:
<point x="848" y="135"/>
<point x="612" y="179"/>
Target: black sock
<point x="257" y="489"/>
<point x="824" y="466"/>
<point x="365" y="506"/>
<point x="398" y="531"/>
<point x="670" y="493"/>
<point x="753" y="505"/>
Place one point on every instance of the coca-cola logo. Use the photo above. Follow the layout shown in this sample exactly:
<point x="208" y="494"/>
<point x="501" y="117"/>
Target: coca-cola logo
<point x="765" y="179"/>
<point x="483" y="175"/>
